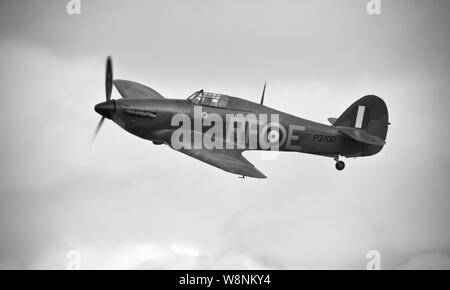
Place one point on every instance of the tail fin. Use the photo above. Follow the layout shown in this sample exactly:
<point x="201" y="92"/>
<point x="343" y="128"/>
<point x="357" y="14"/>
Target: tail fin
<point x="369" y="114"/>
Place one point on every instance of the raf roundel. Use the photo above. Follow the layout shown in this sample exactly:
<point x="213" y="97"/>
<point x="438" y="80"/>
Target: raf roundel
<point x="273" y="136"/>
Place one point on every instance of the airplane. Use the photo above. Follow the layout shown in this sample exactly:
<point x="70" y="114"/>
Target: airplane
<point x="360" y="130"/>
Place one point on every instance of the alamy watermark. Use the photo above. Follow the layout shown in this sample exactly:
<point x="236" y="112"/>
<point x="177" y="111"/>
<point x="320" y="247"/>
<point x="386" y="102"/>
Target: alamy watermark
<point x="374" y="7"/>
<point x="374" y="258"/>
<point x="73" y="260"/>
<point x="73" y="7"/>
<point x="234" y="131"/>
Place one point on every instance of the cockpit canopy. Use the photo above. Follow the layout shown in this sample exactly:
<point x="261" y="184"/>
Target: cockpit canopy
<point x="202" y="98"/>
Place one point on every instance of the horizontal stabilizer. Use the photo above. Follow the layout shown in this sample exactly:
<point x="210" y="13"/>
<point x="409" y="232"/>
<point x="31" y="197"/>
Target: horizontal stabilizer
<point x="361" y="135"/>
<point x="332" y="120"/>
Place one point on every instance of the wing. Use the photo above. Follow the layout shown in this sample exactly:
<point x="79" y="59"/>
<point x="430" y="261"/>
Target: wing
<point x="129" y="89"/>
<point x="226" y="159"/>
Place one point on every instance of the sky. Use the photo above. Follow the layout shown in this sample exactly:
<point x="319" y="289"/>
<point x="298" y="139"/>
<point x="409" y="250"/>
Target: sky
<point x="124" y="203"/>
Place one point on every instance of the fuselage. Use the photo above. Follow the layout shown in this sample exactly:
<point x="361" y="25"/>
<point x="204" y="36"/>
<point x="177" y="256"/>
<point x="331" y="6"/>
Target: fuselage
<point x="153" y="119"/>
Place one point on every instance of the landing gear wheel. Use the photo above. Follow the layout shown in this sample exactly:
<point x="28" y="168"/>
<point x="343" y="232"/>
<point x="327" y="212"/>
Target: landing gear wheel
<point x="340" y="165"/>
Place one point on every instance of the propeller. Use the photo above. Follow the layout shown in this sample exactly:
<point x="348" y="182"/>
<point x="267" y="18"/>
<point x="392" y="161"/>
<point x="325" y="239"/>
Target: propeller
<point x="108" y="78"/>
<point x="97" y="129"/>
<point x="108" y="90"/>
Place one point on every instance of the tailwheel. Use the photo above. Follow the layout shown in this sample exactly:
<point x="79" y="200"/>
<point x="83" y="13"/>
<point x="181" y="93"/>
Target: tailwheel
<point x="340" y="165"/>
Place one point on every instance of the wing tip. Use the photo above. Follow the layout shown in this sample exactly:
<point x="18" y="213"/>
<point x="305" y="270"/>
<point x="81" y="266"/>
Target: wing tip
<point x="256" y="174"/>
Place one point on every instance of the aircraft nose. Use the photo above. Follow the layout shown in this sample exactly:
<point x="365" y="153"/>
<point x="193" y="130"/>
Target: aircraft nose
<point x="106" y="109"/>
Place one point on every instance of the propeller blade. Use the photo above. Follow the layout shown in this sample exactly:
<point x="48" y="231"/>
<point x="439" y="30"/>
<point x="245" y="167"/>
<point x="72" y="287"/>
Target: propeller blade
<point x="109" y="78"/>
<point x="97" y="129"/>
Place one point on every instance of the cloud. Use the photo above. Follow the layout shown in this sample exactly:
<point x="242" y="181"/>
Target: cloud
<point x="125" y="203"/>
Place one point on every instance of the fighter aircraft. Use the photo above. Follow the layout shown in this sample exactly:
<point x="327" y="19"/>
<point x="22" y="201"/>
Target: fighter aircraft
<point x="218" y="128"/>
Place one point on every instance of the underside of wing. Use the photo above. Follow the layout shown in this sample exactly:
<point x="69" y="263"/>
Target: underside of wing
<point x="226" y="159"/>
<point x="129" y="89"/>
